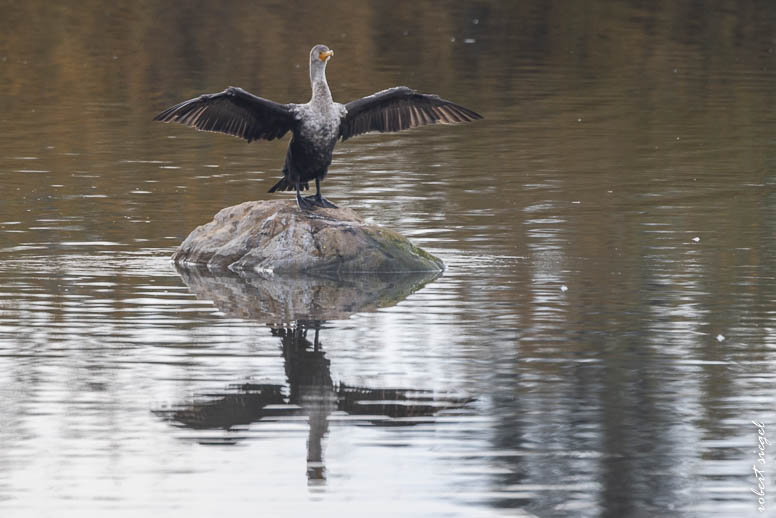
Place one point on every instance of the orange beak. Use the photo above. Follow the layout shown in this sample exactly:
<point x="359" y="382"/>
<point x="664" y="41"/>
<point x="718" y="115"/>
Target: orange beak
<point x="324" y="55"/>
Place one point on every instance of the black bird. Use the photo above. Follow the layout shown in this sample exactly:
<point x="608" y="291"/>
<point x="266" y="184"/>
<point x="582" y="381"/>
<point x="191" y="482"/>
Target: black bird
<point x="317" y="125"/>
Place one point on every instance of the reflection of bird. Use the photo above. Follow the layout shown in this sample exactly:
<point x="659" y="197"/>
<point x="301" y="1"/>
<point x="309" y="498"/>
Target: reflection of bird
<point x="311" y="393"/>
<point x="317" y="125"/>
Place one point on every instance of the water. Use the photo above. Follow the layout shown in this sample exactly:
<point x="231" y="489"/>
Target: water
<point x="600" y="344"/>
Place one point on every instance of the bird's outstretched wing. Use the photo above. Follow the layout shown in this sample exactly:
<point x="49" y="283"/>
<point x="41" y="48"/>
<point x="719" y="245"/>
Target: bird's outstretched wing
<point x="234" y="112"/>
<point x="398" y="109"/>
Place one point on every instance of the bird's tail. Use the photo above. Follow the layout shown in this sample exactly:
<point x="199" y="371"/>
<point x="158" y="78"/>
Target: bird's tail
<point x="284" y="185"/>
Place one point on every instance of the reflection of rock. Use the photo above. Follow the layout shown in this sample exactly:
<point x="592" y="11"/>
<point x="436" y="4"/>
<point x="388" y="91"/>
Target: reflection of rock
<point x="276" y="236"/>
<point x="274" y="299"/>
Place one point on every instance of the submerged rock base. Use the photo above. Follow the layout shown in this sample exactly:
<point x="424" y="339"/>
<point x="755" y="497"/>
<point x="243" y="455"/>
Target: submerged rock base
<point x="275" y="236"/>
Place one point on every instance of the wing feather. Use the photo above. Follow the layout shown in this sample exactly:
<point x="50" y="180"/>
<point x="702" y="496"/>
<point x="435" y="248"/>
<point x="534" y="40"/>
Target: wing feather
<point x="234" y="112"/>
<point x="400" y="108"/>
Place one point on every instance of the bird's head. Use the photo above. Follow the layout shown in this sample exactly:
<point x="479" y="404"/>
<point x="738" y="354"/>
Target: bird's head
<point x="319" y="56"/>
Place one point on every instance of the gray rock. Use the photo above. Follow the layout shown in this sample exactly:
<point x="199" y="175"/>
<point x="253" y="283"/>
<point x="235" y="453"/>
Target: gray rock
<point x="275" y="236"/>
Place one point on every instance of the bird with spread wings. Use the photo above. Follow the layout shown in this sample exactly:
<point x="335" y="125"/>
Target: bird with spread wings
<point x="317" y="125"/>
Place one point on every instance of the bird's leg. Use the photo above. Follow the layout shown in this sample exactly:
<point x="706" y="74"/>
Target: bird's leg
<point x="318" y="199"/>
<point x="303" y="203"/>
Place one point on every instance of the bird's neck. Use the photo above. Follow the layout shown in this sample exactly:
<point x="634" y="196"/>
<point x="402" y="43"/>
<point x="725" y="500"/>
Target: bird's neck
<point x="321" y="90"/>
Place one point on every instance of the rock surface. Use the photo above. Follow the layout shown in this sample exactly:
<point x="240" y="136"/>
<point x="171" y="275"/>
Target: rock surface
<point x="275" y="236"/>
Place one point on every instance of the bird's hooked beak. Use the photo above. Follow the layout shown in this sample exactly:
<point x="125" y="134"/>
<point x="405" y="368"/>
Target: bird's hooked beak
<point x="323" y="56"/>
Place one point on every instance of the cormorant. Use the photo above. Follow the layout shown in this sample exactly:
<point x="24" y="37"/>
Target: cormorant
<point x="317" y="125"/>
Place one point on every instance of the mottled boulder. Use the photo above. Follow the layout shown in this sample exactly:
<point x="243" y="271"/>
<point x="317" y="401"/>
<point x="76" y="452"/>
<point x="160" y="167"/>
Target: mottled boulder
<point x="275" y="236"/>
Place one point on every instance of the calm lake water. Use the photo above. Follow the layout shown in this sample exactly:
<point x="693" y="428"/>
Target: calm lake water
<point x="600" y="344"/>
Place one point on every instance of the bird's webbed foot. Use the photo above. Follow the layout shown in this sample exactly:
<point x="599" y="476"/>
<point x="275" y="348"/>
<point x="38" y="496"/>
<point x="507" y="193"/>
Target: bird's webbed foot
<point x="319" y="201"/>
<point x="326" y="204"/>
<point x="305" y="203"/>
